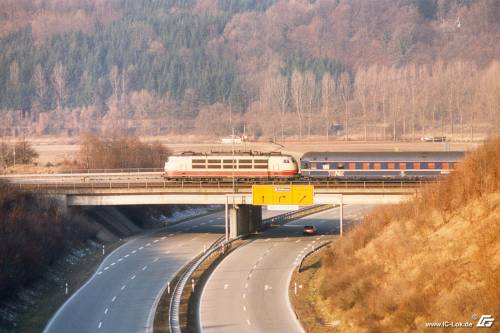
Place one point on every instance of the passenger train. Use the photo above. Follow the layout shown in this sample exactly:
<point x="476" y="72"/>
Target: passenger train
<point x="313" y="165"/>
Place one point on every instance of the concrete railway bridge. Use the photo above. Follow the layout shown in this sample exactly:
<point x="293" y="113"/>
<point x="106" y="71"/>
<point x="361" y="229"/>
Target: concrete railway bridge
<point x="243" y="215"/>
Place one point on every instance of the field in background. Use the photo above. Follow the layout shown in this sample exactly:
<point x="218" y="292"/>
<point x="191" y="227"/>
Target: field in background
<point x="55" y="151"/>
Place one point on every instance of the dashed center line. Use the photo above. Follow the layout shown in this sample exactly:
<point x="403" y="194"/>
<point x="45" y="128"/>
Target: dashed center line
<point x="100" y="324"/>
<point x="298" y="240"/>
<point x="134" y="251"/>
<point x="244" y="296"/>
<point x="127" y="255"/>
<point x="121" y="259"/>
<point x="144" y="268"/>
<point x="106" y="311"/>
<point x="156" y="259"/>
<point x="114" y="299"/>
<point x="142" y="247"/>
<point x="133" y="277"/>
<point x="123" y="287"/>
<point x="248" y="322"/>
<point x="155" y="241"/>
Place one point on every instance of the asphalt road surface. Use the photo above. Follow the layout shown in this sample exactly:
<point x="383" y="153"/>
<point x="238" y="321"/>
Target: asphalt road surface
<point x="248" y="291"/>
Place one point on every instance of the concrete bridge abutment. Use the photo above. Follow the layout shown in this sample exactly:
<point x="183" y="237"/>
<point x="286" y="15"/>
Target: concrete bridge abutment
<point x="244" y="219"/>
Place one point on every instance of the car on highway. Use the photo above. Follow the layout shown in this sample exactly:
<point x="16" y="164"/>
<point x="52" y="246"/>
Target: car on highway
<point x="309" y="230"/>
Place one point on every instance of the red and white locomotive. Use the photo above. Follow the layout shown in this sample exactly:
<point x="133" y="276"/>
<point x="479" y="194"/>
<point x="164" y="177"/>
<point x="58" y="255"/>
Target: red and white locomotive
<point x="227" y="164"/>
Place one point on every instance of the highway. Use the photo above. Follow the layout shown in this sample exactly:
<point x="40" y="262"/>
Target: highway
<point x="248" y="291"/>
<point x="121" y="295"/>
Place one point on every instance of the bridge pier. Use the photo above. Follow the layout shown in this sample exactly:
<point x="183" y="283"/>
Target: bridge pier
<point x="244" y="219"/>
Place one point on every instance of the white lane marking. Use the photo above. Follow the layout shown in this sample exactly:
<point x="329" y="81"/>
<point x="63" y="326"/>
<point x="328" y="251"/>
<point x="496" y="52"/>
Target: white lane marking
<point x="250" y="276"/>
<point x="106" y="311"/>
<point x="121" y="259"/>
<point x="106" y="268"/>
<point x="142" y="247"/>
<point x="260" y="259"/>
<point x="244" y="308"/>
<point x="286" y="238"/>
<point x="167" y="252"/>
<point x="99" y="273"/>
<point x="134" y="251"/>
<point x="127" y="255"/>
<point x="156" y="259"/>
<point x="298" y="240"/>
<point x="246" y="285"/>
<point x="100" y="324"/>
<point x="267" y="240"/>
<point x="144" y="268"/>
<point x="225" y="286"/>
<point x="114" y="299"/>
<point x="155" y="241"/>
<point x="255" y="266"/>
<point x="113" y="263"/>
<point x="317" y="238"/>
<point x="148" y="244"/>
<point x="170" y="235"/>
<point x="133" y="277"/>
<point x="195" y="238"/>
<point x="123" y="287"/>
<point x="244" y="296"/>
<point x="210" y="221"/>
<point x="248" y="321"/>
<point x="163" y="238"/>
<point x="266" y="287"/>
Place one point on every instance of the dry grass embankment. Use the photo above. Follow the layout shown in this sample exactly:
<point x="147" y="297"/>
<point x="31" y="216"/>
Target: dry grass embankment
<point x="435" y="258"/>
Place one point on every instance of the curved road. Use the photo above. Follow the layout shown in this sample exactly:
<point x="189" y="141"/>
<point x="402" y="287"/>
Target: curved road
<point x="248" y="291"/>
<point x="121" y="295"/>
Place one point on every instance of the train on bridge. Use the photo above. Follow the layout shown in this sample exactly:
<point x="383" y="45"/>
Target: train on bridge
<point x="312" y="165"/>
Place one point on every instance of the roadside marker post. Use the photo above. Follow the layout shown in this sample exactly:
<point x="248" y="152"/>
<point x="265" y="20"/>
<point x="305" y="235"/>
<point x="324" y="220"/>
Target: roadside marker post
<point x="295" y="289"/>
<point x="168" y="288"/>
<point x="192" y="284"/>
<point x="341" y="213"/>
<point x="103" y="249"/>
<point x="66" y="287"/>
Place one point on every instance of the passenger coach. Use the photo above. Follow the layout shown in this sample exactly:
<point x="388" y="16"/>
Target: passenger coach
<point x="378" y="165"/>
<point x="225" y="164"/>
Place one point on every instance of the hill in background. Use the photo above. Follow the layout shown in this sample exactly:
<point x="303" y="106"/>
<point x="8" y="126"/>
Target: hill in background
<point x="311" y="67"/>
<point x="433" y="259"/>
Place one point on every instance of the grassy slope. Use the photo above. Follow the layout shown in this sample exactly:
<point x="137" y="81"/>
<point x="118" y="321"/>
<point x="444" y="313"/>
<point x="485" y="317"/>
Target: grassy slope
<point x="435" y="258"/>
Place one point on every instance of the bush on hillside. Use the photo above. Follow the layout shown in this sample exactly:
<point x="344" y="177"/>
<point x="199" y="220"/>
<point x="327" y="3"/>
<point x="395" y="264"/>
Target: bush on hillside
<point x="434" y="258"/>
<point x="121" y="153"/>
<point x="33" y="233"/>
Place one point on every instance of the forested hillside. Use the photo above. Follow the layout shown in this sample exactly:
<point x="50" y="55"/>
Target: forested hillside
<point x="387" y="69"/>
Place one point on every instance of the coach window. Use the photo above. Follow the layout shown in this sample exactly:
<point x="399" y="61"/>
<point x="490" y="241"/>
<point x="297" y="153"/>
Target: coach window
<point x="377" y="166"/>
<point x="431" y="165"/>
<point x="391" y="165"/>
<point x="352" y="166"/>
<point x="366" y="166"/>
<point x="313" y="166"/>
<point x="340" y="165"/>
<point x="446" y="165"/>
<point x="416" y="165"/>
<point x="402" y="166"/>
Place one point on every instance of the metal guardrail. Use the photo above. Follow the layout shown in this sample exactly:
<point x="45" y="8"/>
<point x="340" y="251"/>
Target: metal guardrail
<point x="313" y="250"/>
<point x="287" y="217"/>
<point x="185" y="184"/>
<point x="175" y="301"/>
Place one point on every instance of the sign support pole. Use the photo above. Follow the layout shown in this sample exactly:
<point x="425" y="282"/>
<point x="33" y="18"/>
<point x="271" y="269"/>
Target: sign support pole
<point x="226" y="222"/>
<point x="341" y="213"/>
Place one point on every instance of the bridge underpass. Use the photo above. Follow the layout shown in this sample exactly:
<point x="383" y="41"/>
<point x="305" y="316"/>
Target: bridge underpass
<point x="242" y="216"/>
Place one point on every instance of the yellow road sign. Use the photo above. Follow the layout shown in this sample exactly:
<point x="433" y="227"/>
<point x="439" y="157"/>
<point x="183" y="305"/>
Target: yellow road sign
<point x="283" y="194"/>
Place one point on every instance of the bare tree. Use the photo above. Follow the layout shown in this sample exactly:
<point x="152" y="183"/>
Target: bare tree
<point x="345" y="91"/>
<point x="361" y="89"/>
<point x="327" y="93"/>
<point x="310" y="96"/>
<point x="59" y="83"/>
<point x="298" y="96"/>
